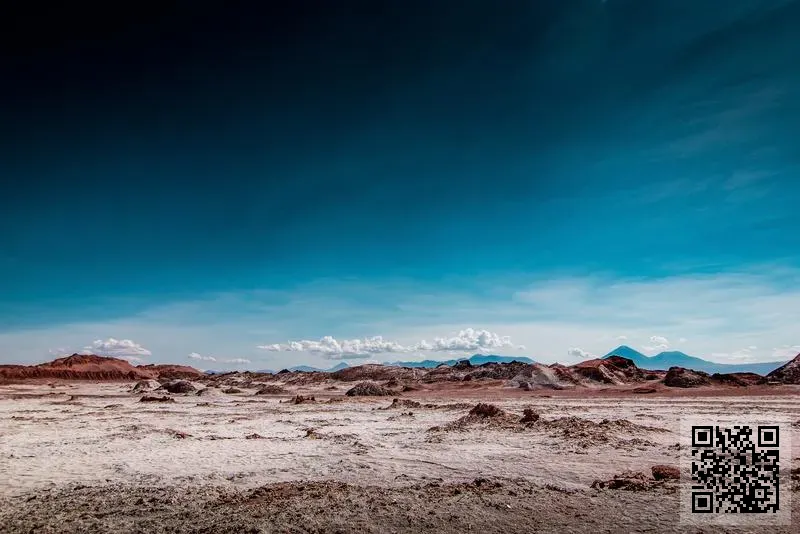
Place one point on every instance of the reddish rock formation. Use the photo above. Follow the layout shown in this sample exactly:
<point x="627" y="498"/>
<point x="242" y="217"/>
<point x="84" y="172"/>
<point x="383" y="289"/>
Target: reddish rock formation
<point x="77" y="367"/>
<point x="93" y="367"/>
<point x="787" y="374"/>
<point x="611" y="370"/>
<point x="678" y="377"/>
<point x="172" y="371"/>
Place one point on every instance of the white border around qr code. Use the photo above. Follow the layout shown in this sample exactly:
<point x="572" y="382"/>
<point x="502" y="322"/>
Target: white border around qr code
<point x="781" y="517"/>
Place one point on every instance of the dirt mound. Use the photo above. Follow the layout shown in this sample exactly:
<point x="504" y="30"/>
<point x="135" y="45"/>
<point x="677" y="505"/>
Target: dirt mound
<point x="364" y="389"/>
<point x="208" y="392"/>
<point x="398" y="404"/>
<point x="145" y="385"/>
<point x="482" y="414"/>
<point x="272" y="389"/>
<point x="77" y="367"/>
<point x="179" y="386"/>
<point x="787" y="374"/>
<point x="678" y="377"/>
<point x="300" y="399"/>
<point x="666" y="472"/>
<point x="153" y="398"/>
<point x="172" y="371"/>
<point x="585" y="433"/>
<point x="529" y="416"/>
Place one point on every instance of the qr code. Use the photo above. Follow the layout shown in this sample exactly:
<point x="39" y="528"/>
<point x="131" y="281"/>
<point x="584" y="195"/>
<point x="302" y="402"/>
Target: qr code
<point x="735" y="469"/>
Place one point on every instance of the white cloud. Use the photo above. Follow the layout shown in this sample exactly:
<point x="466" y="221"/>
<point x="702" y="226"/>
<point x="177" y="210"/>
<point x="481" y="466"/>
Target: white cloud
<point x="622" y="338"/>
<point x="195" y="356"/>
<point x="236" y="360"/>
<point x="684" y="340"/>
<point x="118" y="348"/>
<point x="576" y="352"/>
<point x="467" y="340"/>
<point x="334" y="349"/>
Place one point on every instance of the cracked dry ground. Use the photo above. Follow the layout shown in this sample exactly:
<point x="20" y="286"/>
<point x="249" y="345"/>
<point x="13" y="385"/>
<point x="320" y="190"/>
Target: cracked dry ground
<point x="97" y="460"/>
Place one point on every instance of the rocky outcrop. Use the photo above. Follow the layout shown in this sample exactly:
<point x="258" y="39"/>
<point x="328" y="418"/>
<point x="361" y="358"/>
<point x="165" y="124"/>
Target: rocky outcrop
<point x="678" y="377"/>
<point x="787" y="374"/>
<point x="612" y="370"/>
<point x="179" y="386"/>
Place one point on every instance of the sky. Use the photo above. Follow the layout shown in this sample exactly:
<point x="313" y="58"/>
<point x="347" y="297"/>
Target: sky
<point x="233" y="187"/>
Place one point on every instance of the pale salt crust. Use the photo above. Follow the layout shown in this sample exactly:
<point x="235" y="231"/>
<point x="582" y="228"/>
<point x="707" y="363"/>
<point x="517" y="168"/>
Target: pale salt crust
<point x="46" y="440"/>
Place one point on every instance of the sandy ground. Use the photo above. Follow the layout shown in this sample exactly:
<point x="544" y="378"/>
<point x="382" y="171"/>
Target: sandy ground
<point x="89" y="457"/>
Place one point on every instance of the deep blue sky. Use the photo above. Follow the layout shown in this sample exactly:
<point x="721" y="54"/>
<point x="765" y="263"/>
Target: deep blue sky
<point x="380" y="154"/>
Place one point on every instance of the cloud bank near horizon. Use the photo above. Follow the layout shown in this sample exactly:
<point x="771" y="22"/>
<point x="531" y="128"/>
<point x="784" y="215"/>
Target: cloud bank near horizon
<point x="467" y="340"/>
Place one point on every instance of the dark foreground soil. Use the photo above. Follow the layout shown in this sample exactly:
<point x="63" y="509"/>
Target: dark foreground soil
<point x="479" y="506"/>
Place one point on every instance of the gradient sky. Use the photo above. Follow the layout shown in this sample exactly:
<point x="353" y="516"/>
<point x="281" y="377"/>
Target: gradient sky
<point x="563" y="175"/>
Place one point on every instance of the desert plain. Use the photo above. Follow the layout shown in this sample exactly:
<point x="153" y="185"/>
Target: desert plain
<point x="97" y="456"/>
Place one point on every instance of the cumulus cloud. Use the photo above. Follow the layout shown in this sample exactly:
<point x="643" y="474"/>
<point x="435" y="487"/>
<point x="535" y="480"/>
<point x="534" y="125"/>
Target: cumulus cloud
<point x="334" y="349"/>
<point x="575" y="352"/>
<point x="467" y="340"/>
<point x="195" y="356"/>
<point x="119" y="348"/>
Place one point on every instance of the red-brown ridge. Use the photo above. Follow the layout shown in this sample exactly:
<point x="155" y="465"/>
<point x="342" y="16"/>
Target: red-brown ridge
<point x="86" y="367"/>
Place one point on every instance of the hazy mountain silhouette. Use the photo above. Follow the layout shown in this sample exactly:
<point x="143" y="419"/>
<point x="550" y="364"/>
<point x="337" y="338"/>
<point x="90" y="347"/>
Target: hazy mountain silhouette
<point x="475" y="359"/>
<point x="665" y="360"/>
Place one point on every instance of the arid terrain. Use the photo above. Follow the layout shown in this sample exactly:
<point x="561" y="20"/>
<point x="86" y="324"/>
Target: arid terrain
<point x="294" y="452"/>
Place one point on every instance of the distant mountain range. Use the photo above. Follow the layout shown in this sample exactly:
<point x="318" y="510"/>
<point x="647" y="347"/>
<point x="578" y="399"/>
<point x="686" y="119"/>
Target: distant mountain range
<point x="477" y="359"/>
<point x="662" y="361"/>
<point x="665" y="360"/>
